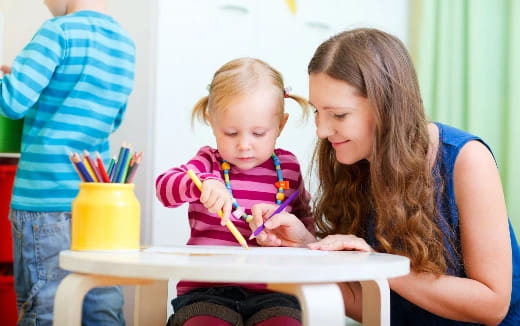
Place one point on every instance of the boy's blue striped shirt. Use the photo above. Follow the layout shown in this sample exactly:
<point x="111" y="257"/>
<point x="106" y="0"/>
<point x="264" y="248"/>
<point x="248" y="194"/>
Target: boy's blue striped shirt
<point x="71" y="84"/>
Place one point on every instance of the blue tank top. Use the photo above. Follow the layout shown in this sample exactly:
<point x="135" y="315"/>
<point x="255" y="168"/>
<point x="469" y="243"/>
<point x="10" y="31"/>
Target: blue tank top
<point x="403" y="312"/>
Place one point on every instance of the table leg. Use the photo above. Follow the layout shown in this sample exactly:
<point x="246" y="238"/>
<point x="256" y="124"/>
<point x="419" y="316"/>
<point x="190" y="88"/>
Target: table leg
<point x="151" y="304"/>
<point x="376" y="302"/>
<point x="322" y="304"/>
<point x="68" y="301"/>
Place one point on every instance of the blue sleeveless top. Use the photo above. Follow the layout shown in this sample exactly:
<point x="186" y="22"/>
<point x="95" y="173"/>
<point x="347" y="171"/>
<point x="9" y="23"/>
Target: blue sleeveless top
<point x="403" y="312"/>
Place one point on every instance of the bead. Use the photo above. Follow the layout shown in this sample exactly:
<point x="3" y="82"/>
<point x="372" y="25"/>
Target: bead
<point x="281" y="184"/>
<point x="225" y="166"/>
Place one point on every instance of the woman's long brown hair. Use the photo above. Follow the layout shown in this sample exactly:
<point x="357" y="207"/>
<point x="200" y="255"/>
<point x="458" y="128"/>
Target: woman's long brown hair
<point x="397" y="186"/>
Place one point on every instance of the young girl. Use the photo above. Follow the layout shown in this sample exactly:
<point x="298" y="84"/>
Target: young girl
<point x="392" y="182"/>
<point x="245" y="109"/>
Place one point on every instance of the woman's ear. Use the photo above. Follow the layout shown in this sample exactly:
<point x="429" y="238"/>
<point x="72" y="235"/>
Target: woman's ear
<point x="283" y="122"/>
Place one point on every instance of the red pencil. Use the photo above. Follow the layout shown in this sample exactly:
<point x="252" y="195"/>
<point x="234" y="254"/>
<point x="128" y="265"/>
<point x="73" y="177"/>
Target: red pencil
<point x="101" y="168"/>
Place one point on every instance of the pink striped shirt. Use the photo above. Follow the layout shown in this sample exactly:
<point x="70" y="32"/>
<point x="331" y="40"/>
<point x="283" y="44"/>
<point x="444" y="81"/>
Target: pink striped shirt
<point x="174" y="187"/>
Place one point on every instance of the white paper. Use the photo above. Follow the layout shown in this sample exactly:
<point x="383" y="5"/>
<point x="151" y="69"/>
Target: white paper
<point x="232" y="250"/>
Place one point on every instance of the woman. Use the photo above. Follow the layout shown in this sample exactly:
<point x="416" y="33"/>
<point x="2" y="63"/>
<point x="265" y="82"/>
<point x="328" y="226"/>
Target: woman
<point x="392" y="182"/>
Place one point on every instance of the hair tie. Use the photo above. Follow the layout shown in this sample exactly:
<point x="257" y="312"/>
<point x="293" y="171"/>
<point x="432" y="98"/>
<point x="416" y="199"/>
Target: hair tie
<point x="286" y="92"/>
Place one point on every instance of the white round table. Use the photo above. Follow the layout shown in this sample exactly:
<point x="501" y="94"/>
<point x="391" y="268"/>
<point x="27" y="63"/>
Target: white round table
<point x="312" y="276"/>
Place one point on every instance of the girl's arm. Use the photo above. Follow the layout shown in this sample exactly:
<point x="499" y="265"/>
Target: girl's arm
<point x="484" y="296"/>
<point x="174" y="187"/>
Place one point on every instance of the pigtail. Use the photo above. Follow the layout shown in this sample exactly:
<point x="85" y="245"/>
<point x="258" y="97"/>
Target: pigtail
<point x="304" y="104"/>
<point x="200" y="111"/>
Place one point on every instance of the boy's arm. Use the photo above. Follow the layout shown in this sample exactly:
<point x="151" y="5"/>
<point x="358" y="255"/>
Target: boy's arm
<point x="174" y="187"/>
<point x="31" y="71"/>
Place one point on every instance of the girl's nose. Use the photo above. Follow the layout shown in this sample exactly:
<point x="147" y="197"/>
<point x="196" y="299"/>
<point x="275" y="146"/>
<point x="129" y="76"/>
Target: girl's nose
<point x="244" y="143"/>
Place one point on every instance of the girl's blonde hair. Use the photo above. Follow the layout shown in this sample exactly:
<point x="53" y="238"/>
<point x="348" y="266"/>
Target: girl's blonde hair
<point x="393" y="196"/>
<point x="239" y="77"/>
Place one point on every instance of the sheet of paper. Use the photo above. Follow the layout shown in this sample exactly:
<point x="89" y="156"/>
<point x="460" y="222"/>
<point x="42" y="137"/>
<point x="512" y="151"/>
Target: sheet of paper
<point x="231" y="250"/>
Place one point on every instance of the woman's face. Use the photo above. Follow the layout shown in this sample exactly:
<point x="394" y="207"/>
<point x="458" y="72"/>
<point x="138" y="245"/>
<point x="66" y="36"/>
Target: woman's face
<point x="343" y="117"/>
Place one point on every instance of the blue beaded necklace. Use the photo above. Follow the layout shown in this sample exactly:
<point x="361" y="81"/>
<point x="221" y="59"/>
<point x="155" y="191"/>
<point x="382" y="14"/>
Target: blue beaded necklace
<point x="281" y="185"/>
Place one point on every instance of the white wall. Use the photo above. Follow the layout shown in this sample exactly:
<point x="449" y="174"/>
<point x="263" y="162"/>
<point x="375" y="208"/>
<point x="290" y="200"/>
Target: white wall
<point x="195" y="37"/>
<point x="179" y="46"/>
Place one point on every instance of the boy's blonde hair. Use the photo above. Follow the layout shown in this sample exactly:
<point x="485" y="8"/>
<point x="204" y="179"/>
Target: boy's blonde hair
<point x="239" y="77"/>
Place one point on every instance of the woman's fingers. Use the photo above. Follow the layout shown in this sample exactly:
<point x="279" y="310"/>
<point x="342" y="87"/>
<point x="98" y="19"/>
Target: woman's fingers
<point x="338" y="242"/>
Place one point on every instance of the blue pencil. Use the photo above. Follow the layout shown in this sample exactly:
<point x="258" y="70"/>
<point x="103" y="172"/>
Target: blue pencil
<point x="278" y="210"/>
<point x="82" y="169"/>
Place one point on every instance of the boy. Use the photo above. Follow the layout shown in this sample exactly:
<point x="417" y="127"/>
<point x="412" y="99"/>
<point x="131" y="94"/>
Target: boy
<point x="71" y="84"/>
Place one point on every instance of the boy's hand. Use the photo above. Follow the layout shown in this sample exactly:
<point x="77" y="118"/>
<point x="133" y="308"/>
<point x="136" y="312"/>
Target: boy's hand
<point x="216" y="197"/>
<point x="5" y="69"/>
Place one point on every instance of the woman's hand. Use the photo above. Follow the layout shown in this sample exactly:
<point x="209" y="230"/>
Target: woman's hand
<point x="337" y="242"/>
<point x="216" y="197"/>
<point x="283" y="229"/>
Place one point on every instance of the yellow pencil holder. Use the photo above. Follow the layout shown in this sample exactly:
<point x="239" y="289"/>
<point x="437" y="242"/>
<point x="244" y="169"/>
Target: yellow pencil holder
<point x="105" y="216"/>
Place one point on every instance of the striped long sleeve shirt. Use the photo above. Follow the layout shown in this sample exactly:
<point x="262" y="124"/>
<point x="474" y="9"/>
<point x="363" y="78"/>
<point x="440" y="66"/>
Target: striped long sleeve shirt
<point x="71" y="85"/>
<point x="257" y="185"/>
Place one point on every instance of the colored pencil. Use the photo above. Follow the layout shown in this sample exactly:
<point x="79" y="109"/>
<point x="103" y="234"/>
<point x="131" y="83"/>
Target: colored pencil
<point x="126" y="165"/>
<point x="118" y="163"/>
<point x="229" y="224"/>
<point x="110" y="169"/>
<point x="81" y="167"/>
<point x="76" y="168"/>
<point x="133" y="168"/>
<point x="90" y="168"/>
<point x="276" y="211"/>
<point x="101" y="168"/>
<point x="92" y="165"/>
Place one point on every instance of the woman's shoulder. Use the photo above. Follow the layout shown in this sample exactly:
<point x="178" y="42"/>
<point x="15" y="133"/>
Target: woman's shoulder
<point x="454" y="136"/>
<point x="453" y="139"/>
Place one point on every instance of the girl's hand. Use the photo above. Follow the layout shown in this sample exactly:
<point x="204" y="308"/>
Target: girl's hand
<point x="283" y="229"/>
<point x="337" y="242"/>
<point x="216" y="197"/>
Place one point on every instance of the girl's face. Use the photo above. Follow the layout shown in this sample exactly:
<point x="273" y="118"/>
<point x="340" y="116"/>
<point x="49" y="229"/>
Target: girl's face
<point x="343" y="117"/>
<point x="247" y="128"/>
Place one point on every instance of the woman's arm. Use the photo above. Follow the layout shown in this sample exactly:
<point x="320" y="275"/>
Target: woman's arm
<point x="484" y="296"/>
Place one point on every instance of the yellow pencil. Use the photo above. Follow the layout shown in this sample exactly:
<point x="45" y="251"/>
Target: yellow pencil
<point x="229" y="224"/>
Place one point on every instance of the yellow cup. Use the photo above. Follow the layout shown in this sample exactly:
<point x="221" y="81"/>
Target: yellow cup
<point x="105" y="216"/>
